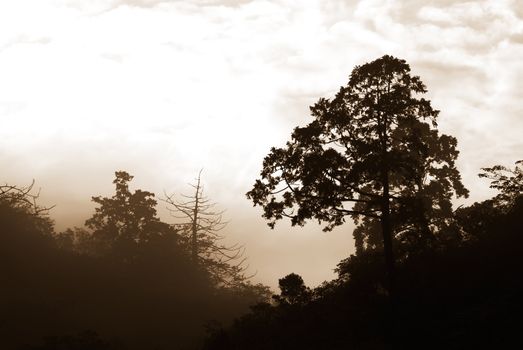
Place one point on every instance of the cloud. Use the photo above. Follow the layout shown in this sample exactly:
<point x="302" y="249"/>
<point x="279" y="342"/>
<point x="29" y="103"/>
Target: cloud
<point x="153" y="3"/>
<point x="25" y="40"/>
<point x="113" y="57"/>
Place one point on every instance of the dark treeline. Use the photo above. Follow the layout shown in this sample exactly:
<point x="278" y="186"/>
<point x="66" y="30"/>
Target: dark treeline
<point x="125" y="281"/>
<point x="463" y="296"/>
<point x="423" y="275"/>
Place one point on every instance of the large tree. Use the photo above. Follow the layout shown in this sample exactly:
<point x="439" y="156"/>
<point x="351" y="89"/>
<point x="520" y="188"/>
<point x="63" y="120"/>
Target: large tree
<point x="372" y="152"/>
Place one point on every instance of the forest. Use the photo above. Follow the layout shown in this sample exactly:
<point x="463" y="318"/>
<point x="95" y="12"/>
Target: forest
<point x="425" y="274"/>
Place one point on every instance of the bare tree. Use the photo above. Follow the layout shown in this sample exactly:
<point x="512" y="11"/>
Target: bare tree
<point x="25" y="197"/>
<point x="200" y="231"/>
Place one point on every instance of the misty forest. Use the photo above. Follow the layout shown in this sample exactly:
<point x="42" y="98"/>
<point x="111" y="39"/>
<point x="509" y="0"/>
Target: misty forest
<point x="426" y="273"/>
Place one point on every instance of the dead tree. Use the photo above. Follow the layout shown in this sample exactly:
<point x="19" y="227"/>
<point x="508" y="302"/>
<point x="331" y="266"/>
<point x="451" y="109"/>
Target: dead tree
<point x="200" y="229"/>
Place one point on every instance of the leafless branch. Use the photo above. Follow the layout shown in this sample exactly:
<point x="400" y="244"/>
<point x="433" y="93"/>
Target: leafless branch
<point x="200" y="230"/>
<point x="23" y="197"/>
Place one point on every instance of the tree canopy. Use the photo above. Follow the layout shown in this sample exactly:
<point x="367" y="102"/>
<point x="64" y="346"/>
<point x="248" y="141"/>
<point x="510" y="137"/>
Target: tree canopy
<point x="509" y="182"/>
<point x="372" y="152"/>
<point x="127" y="276"/>
<point x="127" y="219"/>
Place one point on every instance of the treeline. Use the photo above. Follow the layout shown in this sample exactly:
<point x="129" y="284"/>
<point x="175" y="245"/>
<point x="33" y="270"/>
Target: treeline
<point x="461" y="295"/>
<point x="127" y="280"/>
<point x="424" y="275"/>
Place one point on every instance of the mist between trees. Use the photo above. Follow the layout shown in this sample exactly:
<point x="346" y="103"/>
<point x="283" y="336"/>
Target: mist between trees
<point x="424" y="275"/>
<point x="137" y="281"/>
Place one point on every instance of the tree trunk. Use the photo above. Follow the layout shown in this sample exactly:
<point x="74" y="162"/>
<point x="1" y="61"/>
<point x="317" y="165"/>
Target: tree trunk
<point x="194" y="233"/>
<point x="387" y="237"/>
<point x="386" y="228"/>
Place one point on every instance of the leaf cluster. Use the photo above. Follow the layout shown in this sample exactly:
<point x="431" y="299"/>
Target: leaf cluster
<point x="509" y="182"/>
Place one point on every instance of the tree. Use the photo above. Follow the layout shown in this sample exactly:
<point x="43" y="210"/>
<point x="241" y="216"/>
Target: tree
<point x="293" y="290"/>
<point x="20" y="212"/>
<point x="26" y="230"/>
<point x="201" y="234"/>
<point x="478" y="219"/>
<point x="421" y="210"/>
<point x="22" y="198"/>
<point x="509" y="182"/>
<point x="124" y="221"/>
<point x="372" y="152"/>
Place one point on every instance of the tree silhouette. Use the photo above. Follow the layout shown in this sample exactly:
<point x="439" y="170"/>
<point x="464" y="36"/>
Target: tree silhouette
<point x="127" y="219"/>
<point x="460" y="297"/>
<point x="20" y="214"/>
<point x="293" y="290"/>
<point x="201" y="233"/>
<point x="22" y="197"/>
<point x="421" y="208"/>
<point x="509" y="182"/>
<point x="127" y="276"/>
<point x="372" y="152"/>
<point x="476" y="221"/>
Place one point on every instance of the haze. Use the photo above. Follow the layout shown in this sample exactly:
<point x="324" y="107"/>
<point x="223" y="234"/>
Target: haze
<point x="162" y="89"/>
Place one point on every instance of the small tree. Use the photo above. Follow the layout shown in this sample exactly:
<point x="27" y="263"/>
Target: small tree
<point x="293" y="290"/>
<point x="200" y="230"/>
<point x="372" y="152"/>
<point x="22" y="197"/>
<point x="509" y="182"/>
<point x="127" y="219"/>
<point x="20" y="213"/>
<point x="478" y="219"/>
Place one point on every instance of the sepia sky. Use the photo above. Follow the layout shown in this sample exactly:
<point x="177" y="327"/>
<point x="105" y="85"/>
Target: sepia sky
<point x="164" y="88"/>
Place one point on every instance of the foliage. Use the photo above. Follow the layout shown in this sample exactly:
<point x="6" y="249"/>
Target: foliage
<point x="22" y="198"/>
<point x="478" y="219"/>
<point x="21" y="202"/>
<point x="293" y="290"/>
<point x="124" y="222"/>
<point x="127" y="276"/>
<point x="373" y="126"/>
<point x="372" y="153"/>
<point x="458" y="297"/>
<point x="22" y="220"/>
<point x="509" y="182"/>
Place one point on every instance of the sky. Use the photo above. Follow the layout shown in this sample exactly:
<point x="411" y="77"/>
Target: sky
<point x="164" y="88"/>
